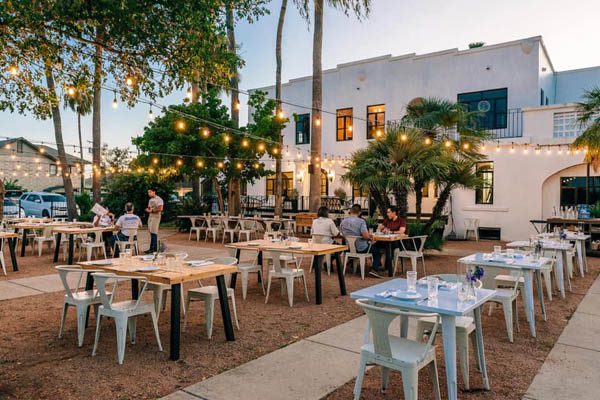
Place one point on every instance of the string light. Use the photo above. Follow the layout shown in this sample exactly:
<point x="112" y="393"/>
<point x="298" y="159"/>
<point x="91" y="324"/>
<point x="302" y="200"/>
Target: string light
<point x="427" y="140"/>
<point x="155" y="161"/>
<point x="129" y="81"/>
<point x="115" y="102"/>
<point x="280" y="114"/>
<point x="245" y="142"/>
<point x="179" y="162"/>
<point x="150" y="114"/>
<point x="298" y="154"/>
<point x="548" y="151"/>
<point x="237" y="105"/>
<point x="220" y="164"/>
<point x="71" y="91"/>
<point x="181" y="125"/>
<point x="261" y="147"/>
<point x="239" y="165"/>
<point x="404" y="137"/>
<point x="226" y="138"/>
<point x="378" y="133"/>
<point x="512" y="148"/>
<point x="205" y="132"/>
<point x="537" y="151"/>
<point x="256" y="165"/>
<point x="448" y="143"/>
<point x="498" y="148"/>
<point x="200" y="163"/>
<point x="275" y="150"/>
<point x="466" y="146"/>
<point x="13" y="70"/>
<point x="559" y="150"/>
<point x="525" y="150"/>
<point x="318" y="121"/>
<point x="350" y="128"/>
<point x="483" y="147"/>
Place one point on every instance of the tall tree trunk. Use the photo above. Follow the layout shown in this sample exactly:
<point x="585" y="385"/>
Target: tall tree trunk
<point x="436" y="213"/>
<point x="317" y="97"/>
<point x="381" y="200"/>
<point x="278" y="171"/>
<point x="62" y="155"/>
<point x="401" y="196"/>
<point x="233" y="184"/>
<point x="81" y="175"/>
<point x="2" y="200"/>
<point x="96" y="121"/>
<point x="219" y="194"/>
<point x="419" y="199"/>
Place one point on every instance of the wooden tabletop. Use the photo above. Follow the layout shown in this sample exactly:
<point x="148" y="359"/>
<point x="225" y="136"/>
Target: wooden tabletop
<point x="72" y="230"/>
<point x="30" y="220"/>
<point x="380" y="237"/>
<point x="315" y="249"/>
<point x="172" y="274"/>
<point x="38" y="225"/>
<point x="8" y="235"/>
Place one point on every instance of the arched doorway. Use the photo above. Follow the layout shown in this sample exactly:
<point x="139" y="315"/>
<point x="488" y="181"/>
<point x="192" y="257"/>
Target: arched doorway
<point x="324" y="183"/>
<point x="567" y="188"/>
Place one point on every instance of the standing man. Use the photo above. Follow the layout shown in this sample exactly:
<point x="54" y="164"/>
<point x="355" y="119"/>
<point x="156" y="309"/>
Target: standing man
<point x="154" y="210"/>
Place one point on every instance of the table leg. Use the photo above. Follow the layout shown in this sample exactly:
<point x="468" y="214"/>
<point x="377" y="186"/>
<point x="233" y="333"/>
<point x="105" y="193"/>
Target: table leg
<point x="89" y="285"/>
<point x="317" y="269"/>
<point x="340" y="272"/>
<point x="388" y="258"/>
<point x="560" y="274"/>
<point x="224" y="302"/>
<point x="529" y="301"/>
<point x="481" y="354"/>
<point x="57" y="238"/>
<point x="176" y="320"/>
<point x="403" y="326"/>
<point x="135" y="289"/>
<point x="71" y="245"/>
<point x="12" y="242"/>
<point x="540" y="289"/>
<point x="449" y="336"/>
<point x="565" y="257"/>
<point x="259" y="261"/>
<point x="579" y="246"/>
<point x="23" y="242"/>
<point x="584" y="255"/>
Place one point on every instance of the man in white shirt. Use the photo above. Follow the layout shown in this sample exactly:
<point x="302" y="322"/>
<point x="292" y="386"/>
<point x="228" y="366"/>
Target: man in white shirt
<point x="128" y="225"/>
<point x="154" y="209"/>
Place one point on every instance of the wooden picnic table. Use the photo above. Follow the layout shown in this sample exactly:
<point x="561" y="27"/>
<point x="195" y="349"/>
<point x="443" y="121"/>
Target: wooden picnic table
<point x="30" y="225"/>
<point x="316" y="250"/>
<point x="389" y="240"/>
<point x="174" y="275"/>
<point x="12" y="239"/>
<point x="71" y="231"/>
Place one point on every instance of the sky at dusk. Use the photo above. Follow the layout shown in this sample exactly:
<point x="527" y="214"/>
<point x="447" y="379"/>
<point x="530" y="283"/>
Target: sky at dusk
<point x="396" y="27"/>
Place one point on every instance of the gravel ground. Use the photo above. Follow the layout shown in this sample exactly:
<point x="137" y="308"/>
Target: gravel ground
<point x="34" y="363"/>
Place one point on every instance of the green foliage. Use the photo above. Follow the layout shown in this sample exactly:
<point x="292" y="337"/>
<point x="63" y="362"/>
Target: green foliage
<point x="589" y="117"/>
<point x="595" y="210"/>
<point x="190" y="206"/>
<point x="475" y="45"/>
<point x="85" y="203"/>
<point x="12" y="184"/>
<point x="435" y="238"/>
<point x="340" y="193"/>
<point x="372" y="221"/>
<point x="133" y="187"/>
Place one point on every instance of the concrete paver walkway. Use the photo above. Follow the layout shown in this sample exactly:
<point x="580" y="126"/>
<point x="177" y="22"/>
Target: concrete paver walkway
<point x="571" y="369"/>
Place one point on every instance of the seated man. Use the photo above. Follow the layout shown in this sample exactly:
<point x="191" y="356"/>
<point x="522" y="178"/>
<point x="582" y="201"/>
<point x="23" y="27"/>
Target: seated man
<point x="356" y="226"/>
<point x="392" y="223"/>
<point x="128" y="225"/>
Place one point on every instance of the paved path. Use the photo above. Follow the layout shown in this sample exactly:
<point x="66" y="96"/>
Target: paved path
<point x="571" y="369"/>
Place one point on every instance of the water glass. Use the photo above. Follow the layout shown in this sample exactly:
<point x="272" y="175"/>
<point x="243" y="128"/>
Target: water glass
<point x="510" y="253"/>
<point x="463" y="291"/>
<point x="411" y="281"/>
<point x="432" y="287"/>
<point x="310" y="243"/>
<point x="497" y="250"/>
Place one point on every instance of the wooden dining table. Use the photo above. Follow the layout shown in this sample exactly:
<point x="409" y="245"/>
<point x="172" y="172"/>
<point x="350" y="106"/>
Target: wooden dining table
<point x="71" y="231"/>
<point x="174" y="275"/>
<point x="23" y="227"/>
<point x="389" y="239"/>
<point x="316" y="250"/>
<point x="11" y="237"/>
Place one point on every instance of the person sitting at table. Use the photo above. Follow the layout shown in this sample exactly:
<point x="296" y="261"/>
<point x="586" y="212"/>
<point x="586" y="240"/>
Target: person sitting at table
<point x="128" y="225"/>
<point x="324" y="226"/>
<point x="354" y="225"/>
<point x="104" y="221"/>
<point x="393" y="223"/>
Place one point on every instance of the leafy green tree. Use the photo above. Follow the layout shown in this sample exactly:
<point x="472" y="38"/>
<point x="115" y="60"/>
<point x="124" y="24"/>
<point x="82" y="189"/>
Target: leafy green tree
<point x="589" y="117"/>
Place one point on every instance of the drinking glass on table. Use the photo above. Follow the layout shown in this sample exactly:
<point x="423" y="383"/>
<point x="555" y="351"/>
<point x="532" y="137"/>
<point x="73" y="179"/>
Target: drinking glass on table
<point x="411" y="281"/>
<point x="497" y="250"/>
<point x="432" y="287"/>
<point x="510" y="253"/>
<point x="462" y="290"/>
<point x="310" y="243"/>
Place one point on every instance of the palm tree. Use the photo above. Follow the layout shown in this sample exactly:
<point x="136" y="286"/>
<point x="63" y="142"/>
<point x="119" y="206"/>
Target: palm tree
<point x="589" y="117"/>
<point x="278" y="172"/>
<point x="79" y="100"/>
<point x="360" y="8"/>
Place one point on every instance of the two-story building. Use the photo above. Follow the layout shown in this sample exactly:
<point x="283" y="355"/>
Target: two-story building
<point x="528" y="105"/>
<point x="36" y="167"/>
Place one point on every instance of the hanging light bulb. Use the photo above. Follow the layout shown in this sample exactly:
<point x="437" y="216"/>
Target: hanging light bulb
<point x="226" y="138"/>
<point x="404" y="137"/>
<point x="181" y="125"/>
<point x="280" y="114"/>
<point x="13" y="155"/>
<point x="427" y="140"/>
<point x="448" y="143"/>
<point x="151" y="170"/>
<point x="18" y="166"/>
<point x="577" y="151"/>
<point x="71" y="91"/>
<point x="239" y="165"/>
<point x="512" y="148"/>
<point x="205" y="132"/>
<point x="155" y="161"/>
<point x="525" y="150"/>
<point x="220" y="164"/>
<point x="7" y="146"/>
<point x="256" y="165"/>
<point x="466" y="146"/>
<point x="129" y="81"/>
<point x="261" y="147"/>
<point x="350" y="128"/>
<point x="318" y="121"/>
<point x="559" y="150"/>
<point x="13" y="70"/>
<point x="298" y="154"/>
<point x="115" y="103"/>
<point x="275" y="150"/>
<point x="378" y="133"/>
<point x="150" y="114"/>
<point x="537" y="151"/>
<point x="200" y="164"/>
<point x="237" y="105"/>
<point x="498" y="148"/>
<point x="245" y="142"/>
<point x="287" y="152"/>
<point x="548" y="151"/>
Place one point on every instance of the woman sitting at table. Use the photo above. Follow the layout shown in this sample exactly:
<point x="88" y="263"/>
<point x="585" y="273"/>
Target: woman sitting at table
<point x="128" y="225"/>
<point x="104" y="221"/>
<point x="324" y="226"/>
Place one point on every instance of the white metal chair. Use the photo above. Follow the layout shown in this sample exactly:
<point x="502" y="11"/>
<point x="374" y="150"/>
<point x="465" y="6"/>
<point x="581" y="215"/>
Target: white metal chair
<point x="507" y="297"/>
<point x="247" y="228"/>
<point x="465" y="330"/>
<point x="287" y="274"/>
<point x="270" y="231"/>
<point x="81" y="300"/>
<point x="321" y="239"/>
<point x="209" y="295"/>
<point x="161" y="291"/>
<point x="414" y="253"/>
<point x="353" y="255"/>
<point x="124" y="313"/>
<point x="397" y="353"/>
<point x="509" y="280"/>
<point x="45" y="237"/>
<point x="214" y="226"/>
<point x="130" y="243"/>
<point x="472" y="225"/>
<point x="90" y="246"/>
<point x="228" y="230"/>
<point x="245" y="269"/>
<point x="197" y="229"/>
<point x="2" y="262"/>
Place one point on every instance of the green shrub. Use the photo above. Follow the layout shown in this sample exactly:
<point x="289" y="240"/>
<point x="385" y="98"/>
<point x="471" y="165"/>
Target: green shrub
<point x="189" y="206"/>
<point x="435" y="240"/>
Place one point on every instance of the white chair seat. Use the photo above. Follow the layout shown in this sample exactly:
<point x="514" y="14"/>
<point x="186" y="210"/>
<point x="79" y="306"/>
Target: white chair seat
<point x="404" y="350"/>
<point x="208" y="291"/>
<point x="409" y="253"/>
<point x="128" y="307"/>
<point x="87" y="295"/>
<point x="508" y="278"/>
<point x="464" y="323"/>
<point x="287" y="272"/>
<point x="504" y="294"/>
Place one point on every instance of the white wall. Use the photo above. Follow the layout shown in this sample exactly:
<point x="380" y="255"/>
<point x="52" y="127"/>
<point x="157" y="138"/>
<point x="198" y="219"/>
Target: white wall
<point x="570" y="85"/>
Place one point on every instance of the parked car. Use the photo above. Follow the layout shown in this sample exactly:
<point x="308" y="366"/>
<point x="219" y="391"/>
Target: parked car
<point x="43" y="204"/>
<point x="12" y="209"/>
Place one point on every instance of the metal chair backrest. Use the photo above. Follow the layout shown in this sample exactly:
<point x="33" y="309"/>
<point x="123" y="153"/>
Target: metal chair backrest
<point x="102" y="278"/>
<point x="321" y="238"/>
<point x="417" y="243"/>
<point x="225" y="261"/>
<point x="380" y="318"/>
<point x="65" y="270"/>
<point x="351" y="240"/>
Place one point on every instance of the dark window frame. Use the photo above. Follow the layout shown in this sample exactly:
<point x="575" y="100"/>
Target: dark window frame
<point x="379" y="122"/>
<point x="19" y="146"/>
<point x="344" y="125"/>
<point x="497" y="116"/>
<point x="287" y="183"/>
<point x="50" y="168"/>
<point x="487" y="184"/>
<point x="303" y="127"/>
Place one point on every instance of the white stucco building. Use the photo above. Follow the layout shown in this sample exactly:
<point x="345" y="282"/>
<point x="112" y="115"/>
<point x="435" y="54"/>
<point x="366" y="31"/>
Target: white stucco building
<point x="529" y="106"/>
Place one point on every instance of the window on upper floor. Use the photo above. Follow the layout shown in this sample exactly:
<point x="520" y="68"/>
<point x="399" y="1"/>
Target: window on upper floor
<point x="375" y="120"/>
<point x="344" y="124"/>
<point x="567" y="125"/>
<point x="52" y="169"/>
<point x="303" y="129"/>
<point x="19" y="146"/>
<point x="491" y="104"/>
<point x="484" y="194"/>
<point x="358" y="192"/>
